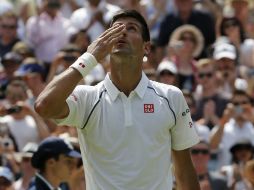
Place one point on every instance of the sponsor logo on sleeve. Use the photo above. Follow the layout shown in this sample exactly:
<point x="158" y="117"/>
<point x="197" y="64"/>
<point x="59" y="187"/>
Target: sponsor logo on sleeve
<point x="186" y="112"/>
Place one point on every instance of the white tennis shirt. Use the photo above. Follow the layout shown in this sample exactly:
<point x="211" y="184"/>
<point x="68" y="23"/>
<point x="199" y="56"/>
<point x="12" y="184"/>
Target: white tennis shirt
<point x="126" y="141"/>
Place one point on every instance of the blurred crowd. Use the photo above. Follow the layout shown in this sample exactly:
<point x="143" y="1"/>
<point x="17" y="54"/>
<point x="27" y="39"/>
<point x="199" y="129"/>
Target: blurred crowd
<point x="204" y="47"/>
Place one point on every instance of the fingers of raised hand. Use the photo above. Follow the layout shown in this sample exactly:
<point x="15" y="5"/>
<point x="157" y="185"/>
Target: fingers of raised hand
<point x="112" y="29"/>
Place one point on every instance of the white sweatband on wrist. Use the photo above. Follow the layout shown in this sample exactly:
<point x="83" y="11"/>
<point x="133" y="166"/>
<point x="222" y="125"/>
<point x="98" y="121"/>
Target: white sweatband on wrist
<point x="85" y="63"/>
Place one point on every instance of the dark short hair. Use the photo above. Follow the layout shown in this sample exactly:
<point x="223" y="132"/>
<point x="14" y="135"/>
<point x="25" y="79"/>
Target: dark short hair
<point x="136" y="15"/>
<point x="232" y="21"/>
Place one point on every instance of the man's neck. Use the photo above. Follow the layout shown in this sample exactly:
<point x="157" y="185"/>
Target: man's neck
<point x="125" y="74"/>
<point x="184" y="16"/>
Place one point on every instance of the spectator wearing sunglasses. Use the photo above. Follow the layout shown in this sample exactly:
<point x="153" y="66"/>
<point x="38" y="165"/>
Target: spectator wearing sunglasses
<point x="200" y="155"/>
<point x="234" y="125"/>
<point x="8" y="32"/>
<point x="210" y="104"/>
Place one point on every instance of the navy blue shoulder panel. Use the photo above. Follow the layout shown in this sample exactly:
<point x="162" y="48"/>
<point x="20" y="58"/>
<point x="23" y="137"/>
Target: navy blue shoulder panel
<point x="96" y="103"/>
<point x="165" y="98"/>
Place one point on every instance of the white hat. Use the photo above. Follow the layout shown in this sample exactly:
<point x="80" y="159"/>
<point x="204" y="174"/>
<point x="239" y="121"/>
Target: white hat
<point x="224" y="50"/>
<point x="6" y="173"/>
<point x="168" y="66"/>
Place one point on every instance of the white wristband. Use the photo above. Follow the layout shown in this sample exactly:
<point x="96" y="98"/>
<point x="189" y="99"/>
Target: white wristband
<point x="85" y="63"/>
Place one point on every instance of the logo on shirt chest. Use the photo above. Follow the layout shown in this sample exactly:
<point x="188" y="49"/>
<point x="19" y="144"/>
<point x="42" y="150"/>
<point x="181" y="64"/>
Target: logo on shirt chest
<point x="148" y="108"/>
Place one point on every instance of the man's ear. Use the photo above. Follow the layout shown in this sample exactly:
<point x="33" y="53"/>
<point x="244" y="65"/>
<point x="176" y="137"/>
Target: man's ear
<point x="147" y="48"/>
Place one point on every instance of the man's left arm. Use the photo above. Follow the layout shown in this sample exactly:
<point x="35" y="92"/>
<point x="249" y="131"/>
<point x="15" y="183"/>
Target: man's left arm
<point x="186" y="178"/>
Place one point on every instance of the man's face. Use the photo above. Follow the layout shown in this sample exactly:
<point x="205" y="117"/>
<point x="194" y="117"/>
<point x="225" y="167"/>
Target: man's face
<point x="200" y="155"/>
<point x="184" y="5"/>
<point x="15" y="94"/>
<point x="9" y="28"/>
<point x="226" y="68"/>
<point x="206" y="75"/>
<point x="63" y="167"/>
<point x="131" y="42"/>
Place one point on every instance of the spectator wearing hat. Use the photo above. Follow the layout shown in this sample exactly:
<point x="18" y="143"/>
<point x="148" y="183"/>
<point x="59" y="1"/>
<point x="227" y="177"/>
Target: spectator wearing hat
<point x="232" y="29"/>
<point x="167" y="73"/>
<point x="47" y="32"/>
<point x="242" y="152"/>
<point x="27" y="171"/>
<point x="9" y="24"/>
<point x="33" y="73"/>
<point x="54" y="161"/>
<point x="225" y="57"/>
<point x="6" y="178"/>
<point x="185" y="14"/>
<point x="23" y="49"/>
<point x="234" y="126"/>
<point x="185" y="44"/>
<point x="210" y="104"/>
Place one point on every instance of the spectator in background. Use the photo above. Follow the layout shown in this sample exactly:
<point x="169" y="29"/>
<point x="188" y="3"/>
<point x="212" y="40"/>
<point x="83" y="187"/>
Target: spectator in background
<point x="6" y="179"/>
<point x="23" y="49"/>
<point x="200" y="155"/>
<point x="241" y="10"/>
<point x="156" y="10"/>
<point x="210" y="104"/>
<point x="167" y="73"/>
<point x="234" y="31"/>
<point x="8" y="32"/>
<point x="32" y="72"/>
<point x="24" y="124"/>
<point x="234" y="125"/>
<point x="47" y="32"/>
<point x="93" y="17"/>
<point x="27" y="171"/>
<point x="81" y="39"/>
<point x="186" y="43"/>
<point x="64" y="58"/>
<point x="10" y="63"/>
<point x="225" y="57"/>
<point x="185" y="14"/>
<point x="55" y="161"/>
<point x="248" y="174"/>
<point x="242" y="152"/>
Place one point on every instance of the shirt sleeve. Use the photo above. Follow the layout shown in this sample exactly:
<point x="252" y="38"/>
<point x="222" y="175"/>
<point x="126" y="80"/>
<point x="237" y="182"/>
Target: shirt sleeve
<point x="183" y="134"/>
<point x="77" y="103"/>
